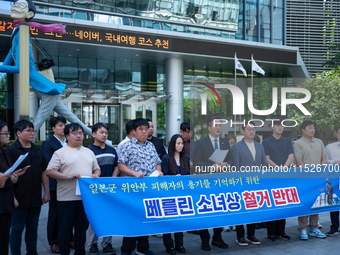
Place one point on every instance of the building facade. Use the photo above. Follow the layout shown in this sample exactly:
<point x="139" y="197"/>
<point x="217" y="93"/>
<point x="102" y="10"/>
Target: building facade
<point x="313" y="26"/>
<point x="122" y="59"/>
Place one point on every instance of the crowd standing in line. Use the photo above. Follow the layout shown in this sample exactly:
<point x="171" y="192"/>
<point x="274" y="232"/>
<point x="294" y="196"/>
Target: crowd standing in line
<point x="140" y="154"/>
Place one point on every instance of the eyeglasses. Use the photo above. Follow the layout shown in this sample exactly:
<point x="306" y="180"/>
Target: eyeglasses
<point x="77" y="133"/>
<point x="21" y="5"/>
<point x="29" y="131"/>
<point x="250" y="129"/>
<point x="6" y="134"/>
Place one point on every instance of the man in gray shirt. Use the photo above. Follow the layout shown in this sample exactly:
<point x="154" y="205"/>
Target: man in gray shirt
<point x="309" y="151"/>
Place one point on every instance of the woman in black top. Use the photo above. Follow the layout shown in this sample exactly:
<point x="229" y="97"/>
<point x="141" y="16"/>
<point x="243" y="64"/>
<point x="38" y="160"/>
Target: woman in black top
<point x="175" y="163"/>
<point x="6" y="190"/>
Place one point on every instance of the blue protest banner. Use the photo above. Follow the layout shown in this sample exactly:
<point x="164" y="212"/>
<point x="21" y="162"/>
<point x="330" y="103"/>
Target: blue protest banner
<point x="129" y="206"/>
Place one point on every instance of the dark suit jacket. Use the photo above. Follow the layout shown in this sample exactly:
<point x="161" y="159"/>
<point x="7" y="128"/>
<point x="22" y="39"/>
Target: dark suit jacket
<point x="243" y="157"/>
<point x="49" y="147"/>
<point x="204" y="149"/>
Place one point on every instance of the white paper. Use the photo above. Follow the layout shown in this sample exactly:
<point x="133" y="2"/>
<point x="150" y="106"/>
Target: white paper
<point x="78" y="189"/>
<point x="154" y="174"/>
<point x="218" y="156"/>
<point x="16" y="164"/>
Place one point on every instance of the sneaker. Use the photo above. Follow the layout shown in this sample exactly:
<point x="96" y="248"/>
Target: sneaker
<point x="332" y="233"/>
<point x="319" y="225"/>
<point x="303" y="234"/>
<point x="253" y="240"/>
<point x="241" y="241"/>
<point x="94" y="249"/>
<point x="147" y="252"/>
<point x="109" y="249"/>
<point x="180" y="249"/>
<point x="284" y="237"/>
<point x="317" y="233"/>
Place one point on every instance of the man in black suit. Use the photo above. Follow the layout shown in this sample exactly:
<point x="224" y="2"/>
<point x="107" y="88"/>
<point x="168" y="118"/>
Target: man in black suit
<point x="48" y="147"/>
<point x="156" y="141"/>
<point x="203" y="151"/>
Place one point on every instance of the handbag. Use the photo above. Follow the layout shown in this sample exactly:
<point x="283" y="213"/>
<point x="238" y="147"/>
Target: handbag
<point x="45" y="63"/>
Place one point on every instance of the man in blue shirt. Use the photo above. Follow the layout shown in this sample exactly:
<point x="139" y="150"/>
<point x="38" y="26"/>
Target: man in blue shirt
<point x="279" y="153"/>
<point x="138" y="158"/>
<point x="107" y="160"/>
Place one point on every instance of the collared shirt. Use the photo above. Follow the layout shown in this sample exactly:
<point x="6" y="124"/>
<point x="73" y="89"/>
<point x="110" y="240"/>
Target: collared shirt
<point x="333" y="152"/>
<point x="138" y="157"/>
<point x="278" y="149"/>
<point x="187" y="148"/>
<point x="213" y="141"/>
<point x="309" y="150"/>
<point x="63" y="143"/>
<point x="119" y="147"/>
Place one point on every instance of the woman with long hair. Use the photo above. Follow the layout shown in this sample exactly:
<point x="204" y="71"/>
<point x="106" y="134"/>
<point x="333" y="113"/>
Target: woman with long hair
<point x="6" y="190"/>
<point x="175" y="163"/>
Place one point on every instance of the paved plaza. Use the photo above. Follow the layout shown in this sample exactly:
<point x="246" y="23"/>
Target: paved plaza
<point x="316" y="246"/>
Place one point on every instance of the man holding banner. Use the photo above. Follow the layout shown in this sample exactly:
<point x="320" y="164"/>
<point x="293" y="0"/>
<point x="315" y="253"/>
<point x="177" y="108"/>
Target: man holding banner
<point x="248" y="153"/>
<point x="138" y="158"/>
<point x="309" y="151"/>
<point x="279" y="152"/>
<point x="68" y="164"/>
<point x="333" y="157"/>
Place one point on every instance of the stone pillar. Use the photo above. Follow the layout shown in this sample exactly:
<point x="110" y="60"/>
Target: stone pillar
<point x="174" y="87"/>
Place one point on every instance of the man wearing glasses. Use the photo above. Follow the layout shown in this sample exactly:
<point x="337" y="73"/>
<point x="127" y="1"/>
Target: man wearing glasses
<point x="27" y="191"/>
<point x="68" y="164"/>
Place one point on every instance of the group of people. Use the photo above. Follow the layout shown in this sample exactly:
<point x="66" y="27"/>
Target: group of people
<point x="62" y="159"/>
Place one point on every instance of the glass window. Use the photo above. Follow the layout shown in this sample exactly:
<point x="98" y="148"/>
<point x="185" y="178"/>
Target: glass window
<point x="68" y="72"/>
<point x="265" y="21"/>
<point x="139" y="111"/>
<point x="105" y="74"/>
<point x="148" y="112"/>
<point x="123" y="75"/>
<point x="251" y="20"/>
<point x="278" y="25"/>
<point x="87" y="73"/>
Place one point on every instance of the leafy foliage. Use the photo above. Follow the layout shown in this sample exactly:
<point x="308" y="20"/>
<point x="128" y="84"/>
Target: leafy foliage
<point x="324" y="103"/>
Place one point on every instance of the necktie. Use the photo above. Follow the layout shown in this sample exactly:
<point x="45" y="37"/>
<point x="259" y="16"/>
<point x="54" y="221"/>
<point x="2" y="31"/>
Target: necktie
<point x="216" y="145"/>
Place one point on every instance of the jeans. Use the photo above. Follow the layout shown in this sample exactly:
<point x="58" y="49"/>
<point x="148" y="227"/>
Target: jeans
<point x="21" y="218"/>
<point x="71" y="213"/>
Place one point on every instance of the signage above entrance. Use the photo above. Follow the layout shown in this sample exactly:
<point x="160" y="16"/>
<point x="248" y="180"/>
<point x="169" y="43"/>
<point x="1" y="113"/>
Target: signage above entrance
<point x="98" y="36"/>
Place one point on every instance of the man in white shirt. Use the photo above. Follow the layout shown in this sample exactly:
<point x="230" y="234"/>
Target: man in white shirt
<point x="68" y="164"/>
<point x="333" y="157"/>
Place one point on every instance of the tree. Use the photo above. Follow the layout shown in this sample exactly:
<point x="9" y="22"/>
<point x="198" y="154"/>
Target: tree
<point x="335" y="53"/>
<point x="324" y="104"/>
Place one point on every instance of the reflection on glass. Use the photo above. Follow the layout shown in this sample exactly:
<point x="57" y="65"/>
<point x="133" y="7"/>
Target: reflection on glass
<point x="110" y="116"/>
<point x="148" y="112"/>
<point x="139" y="111"/>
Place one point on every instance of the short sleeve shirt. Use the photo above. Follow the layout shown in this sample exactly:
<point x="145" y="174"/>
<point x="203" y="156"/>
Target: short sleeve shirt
<point x="70" y="160"/>
<point x="278" y="149"/>
<point x="309" y="150"/>
<point x="107" y="159"/>
<point x="138" y="157"/>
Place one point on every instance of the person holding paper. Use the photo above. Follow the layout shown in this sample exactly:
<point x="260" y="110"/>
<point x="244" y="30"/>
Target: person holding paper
<point x="248" y="153"/>
<point x="175" y="163"/>
<point x="138" y="158"/>
<point x="6" y="190"/>
<point x="27" y="191"/>
<point x="201" y="159"/>
<point x="68" y="164"/>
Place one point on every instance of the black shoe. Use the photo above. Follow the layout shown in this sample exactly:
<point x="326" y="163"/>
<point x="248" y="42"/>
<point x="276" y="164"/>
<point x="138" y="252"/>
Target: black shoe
<point x="171" y="250"/>
<point x="220" y="244"/>
<point x="272" y="238"/>
<point x="205" y="247"/>
<point x="180" y="249"/>
<point x="94" y="249"/>
<point x="109" y="249"/>
<point x="284" y="237"/>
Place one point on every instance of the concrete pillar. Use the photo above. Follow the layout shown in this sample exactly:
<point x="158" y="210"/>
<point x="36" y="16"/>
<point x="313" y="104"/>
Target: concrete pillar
<point x="174" y="87"/>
